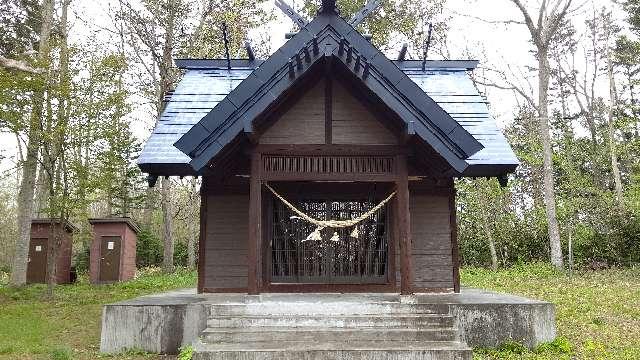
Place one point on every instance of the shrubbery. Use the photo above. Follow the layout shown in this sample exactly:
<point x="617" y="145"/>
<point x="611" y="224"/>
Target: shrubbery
<point x="605" y="239"/>
<point x="149" y="251"/>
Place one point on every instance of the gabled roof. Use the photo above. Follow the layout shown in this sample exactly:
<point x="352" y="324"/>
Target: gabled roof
<point x="206" y="82"/>
<point x="328" y="37"/>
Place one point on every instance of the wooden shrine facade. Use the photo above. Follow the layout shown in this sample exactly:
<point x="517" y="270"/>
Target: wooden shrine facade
<point x="332" y="127"/>
<point x="363" y="157"/>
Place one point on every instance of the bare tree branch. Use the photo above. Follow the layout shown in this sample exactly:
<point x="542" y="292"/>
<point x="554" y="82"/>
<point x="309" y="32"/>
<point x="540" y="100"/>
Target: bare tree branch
<point x="19" y="65"/>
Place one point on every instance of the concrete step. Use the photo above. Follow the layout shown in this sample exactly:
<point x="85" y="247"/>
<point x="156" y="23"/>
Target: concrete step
<point x="353" y="350"/>
<point x="216" y="335"/>
<point x="416" y="321"/>
<point x="325" y="308"/>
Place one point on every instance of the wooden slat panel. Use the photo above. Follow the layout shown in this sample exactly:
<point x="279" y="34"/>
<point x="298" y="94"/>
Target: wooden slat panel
<point x="304" y="123"/>
<point x="281" y="165"/>
<point x="353" y="123"/>
<point x="431" y="241"/>
<point x="431" y="260"/>
<point x="226" y="241"/>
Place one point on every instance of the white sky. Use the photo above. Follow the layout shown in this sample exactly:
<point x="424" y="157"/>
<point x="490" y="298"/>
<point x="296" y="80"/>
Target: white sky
<point x="492" y="44"/>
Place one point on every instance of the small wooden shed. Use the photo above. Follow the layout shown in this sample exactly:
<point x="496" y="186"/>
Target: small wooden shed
<point x="43" y="231"/>
<point x="113" y="249"/>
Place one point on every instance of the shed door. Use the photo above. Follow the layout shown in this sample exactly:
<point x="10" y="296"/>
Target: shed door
<point x="37" y="267"/>
<point x="110" y="258"/>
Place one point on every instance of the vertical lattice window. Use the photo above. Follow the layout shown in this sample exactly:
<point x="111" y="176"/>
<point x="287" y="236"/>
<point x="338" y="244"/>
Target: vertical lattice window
<point x="350" y="260"/>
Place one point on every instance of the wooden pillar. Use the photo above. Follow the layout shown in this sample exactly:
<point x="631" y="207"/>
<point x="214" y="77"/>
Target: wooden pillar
<point x="403" y="225"/>
<point x="202" y="240"/>
<point x="454" y="238"/>
<point x="255" y="225"/>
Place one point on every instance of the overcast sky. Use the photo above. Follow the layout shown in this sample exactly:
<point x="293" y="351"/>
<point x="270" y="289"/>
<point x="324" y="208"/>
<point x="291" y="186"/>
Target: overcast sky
<point x="493" y="44"/>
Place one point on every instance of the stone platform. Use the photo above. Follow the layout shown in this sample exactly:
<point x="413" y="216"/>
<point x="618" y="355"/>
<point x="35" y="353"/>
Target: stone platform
<point x="374" y="326"/>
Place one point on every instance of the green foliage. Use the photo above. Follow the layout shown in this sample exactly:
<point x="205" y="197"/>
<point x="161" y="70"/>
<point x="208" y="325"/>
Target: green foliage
<point x="148" y="249"/>
<point x="558" y="346"/>
<point x="82" y="259"/>
<point x="596" y="312"/>
<point x="186" y="353"/>
<point x="180" y="254"/>
<point x="62" y="353"/>
<point x="395" y="21"/>
<point x="69" y="325"/>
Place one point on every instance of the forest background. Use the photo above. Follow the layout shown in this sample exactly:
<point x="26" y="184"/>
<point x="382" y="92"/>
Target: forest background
<point x="82" y="83"/>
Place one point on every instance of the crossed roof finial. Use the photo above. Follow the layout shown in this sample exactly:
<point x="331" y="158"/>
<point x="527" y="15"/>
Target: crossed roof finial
<point x="328" y="7"/>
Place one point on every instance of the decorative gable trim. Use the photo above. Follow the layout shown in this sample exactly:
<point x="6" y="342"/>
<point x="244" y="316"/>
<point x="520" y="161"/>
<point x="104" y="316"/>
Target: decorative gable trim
<point x="327" y="38"/>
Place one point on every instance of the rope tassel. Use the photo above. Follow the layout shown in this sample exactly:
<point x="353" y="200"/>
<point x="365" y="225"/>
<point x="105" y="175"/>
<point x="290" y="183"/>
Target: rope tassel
<point x="315" y="235"/>
<point x="355" y="233"/>
<point x="335" y="237"/>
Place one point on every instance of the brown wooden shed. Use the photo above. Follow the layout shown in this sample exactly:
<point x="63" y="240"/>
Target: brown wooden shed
<point x="43" y="231"/>
<point x="113" y="250"/>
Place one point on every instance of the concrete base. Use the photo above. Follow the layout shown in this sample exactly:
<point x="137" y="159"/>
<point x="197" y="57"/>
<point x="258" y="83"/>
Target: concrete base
<point x="161" y="323"/>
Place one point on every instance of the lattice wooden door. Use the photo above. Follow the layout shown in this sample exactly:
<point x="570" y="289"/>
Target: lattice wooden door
<point x="350" y="260"/>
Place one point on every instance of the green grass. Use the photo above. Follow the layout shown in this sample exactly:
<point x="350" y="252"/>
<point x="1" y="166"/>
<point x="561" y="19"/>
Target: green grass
<point x="597" y="313"/>
<point x="68" y="327"/>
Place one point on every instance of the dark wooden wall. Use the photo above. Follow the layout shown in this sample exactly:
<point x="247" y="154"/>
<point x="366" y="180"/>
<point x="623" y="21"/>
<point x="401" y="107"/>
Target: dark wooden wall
<point x="303" y="123"/>
<point x="431" y="237"/>
<point x="353" y="123"/>
<point x="128" y="267"/>
<point x="226" y="246"/>
<point x="306" y="122"/>
<point x="314" y="120"/>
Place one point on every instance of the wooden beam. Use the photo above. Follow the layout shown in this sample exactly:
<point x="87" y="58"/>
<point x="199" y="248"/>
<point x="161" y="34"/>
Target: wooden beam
<point x="255" y="225"/>
<point x="356" y="177"/>
<point x="364" y="12"/>
<point x="337" y="150"/>
<point x="202" y="240"/>
<point x="403" y="225"/>
<point x="328" y="109"/>
<point x="454" y="239"/>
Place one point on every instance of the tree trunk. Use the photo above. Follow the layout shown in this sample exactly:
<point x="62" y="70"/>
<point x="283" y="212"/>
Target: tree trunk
<point x="29" y="167"/>
<point x="486" y="227"/>
<point x="167" y="261"/>
<point x="52" y="160"/>
<point x="611" y="132"/>
<point x="41" y="193"/>
<point x="544" y="70"/>
<point x="192" y="233"/>
<point x="52" y="254"/>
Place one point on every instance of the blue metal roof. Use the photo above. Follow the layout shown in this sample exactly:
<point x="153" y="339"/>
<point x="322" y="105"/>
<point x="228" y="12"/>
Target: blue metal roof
<point x="200" y="90"/>
<point x="455" y="92"/>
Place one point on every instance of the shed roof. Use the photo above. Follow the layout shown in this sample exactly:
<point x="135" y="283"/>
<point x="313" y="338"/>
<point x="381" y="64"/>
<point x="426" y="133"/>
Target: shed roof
<point x="117" y="220"/>
<point x="70" y="227"/>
